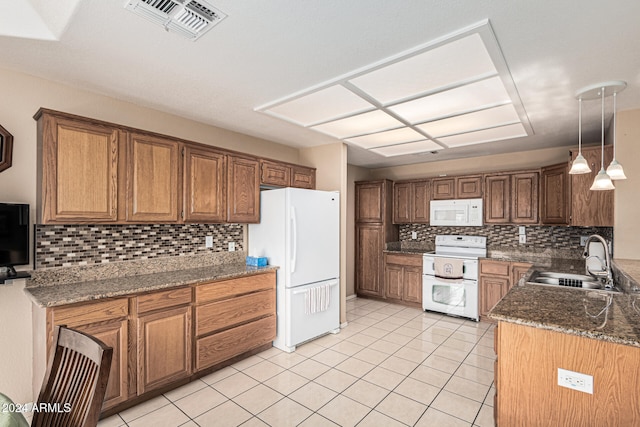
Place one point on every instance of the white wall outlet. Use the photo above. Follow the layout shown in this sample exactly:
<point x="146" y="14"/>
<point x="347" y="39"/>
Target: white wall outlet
<point x="583" y="240"/>
<point x="208" y="242"/>
<point x="522" y="230"/>
<point x="522" y="238"/>
<point x="232" y="246"/>
<point x="414" y="235"/>
<point x="575" y="381"/>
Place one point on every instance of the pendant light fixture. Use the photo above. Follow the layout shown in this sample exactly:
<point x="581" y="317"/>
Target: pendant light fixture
<point x="602" y="180"/>
<point x="615" y="170"/>
<point x="579" y="165"/>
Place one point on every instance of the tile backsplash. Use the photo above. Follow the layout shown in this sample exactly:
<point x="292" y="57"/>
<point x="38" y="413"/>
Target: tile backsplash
<point x="75" y="245"/>
<point x="501" y="237"/>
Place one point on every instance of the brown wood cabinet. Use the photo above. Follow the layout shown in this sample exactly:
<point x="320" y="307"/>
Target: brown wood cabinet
<point x="459" y="187"/>
<point x="403" y="277"/>
<point x="281" y="174"/>
<point x="108" y="321"/>
<point x="591" y="208"/>
<point x="555" y="204"/>
<point x="77" y="170"/>
<point x="164" y="338"/>
<point x="411" y="202"/>
<point x="527" y="386"/>
<point x="303" y="177"/>
<point x="153" y="174"/>
<point x="496" y="279"/>
<point x="243" y="184"/>
<point x="374" y="228"/>
<point x="518" y="270"/>
<point x="511" y="198"/>
<point x="205" y="177"/>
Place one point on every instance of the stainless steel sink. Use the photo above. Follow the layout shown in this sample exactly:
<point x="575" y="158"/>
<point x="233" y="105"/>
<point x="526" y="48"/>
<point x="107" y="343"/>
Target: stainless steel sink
<point x="565" y="279"/>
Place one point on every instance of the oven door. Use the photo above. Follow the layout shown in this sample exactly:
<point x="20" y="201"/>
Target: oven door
<point x="456" y="297"/>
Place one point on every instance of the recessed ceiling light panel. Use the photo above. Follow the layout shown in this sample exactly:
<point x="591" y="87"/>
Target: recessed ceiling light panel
<point x="478" y="120"/>
<point x="409" y="148"/>
<point x="459" y="61"/>
<point x="321" y="106"/>
<point x="374" y="121"/>
<point x="390" y="137"/>
<point x="486" y="135"/>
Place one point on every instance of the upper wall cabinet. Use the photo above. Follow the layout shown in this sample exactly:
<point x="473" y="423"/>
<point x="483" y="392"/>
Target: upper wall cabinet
<point x="205" y="176"/>
<point x="243" y="189"/>
<point x="511" y="198"/>
<point x="459" y="187"/>
<point x="285" y="175"/>
<point x="153" y="172"/>
<point x="591" y="208"/>
<point x="77" y="170"/>
<point x="411" y="202"/>
<point x="555" y="204"/>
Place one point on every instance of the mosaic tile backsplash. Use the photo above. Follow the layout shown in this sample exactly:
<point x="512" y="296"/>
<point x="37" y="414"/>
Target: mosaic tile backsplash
<point x="501" y="237"/>
<point x="76" y="245"/>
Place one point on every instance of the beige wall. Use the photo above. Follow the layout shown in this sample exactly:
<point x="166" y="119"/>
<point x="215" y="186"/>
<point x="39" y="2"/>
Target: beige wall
<point x="354" y="173"/>
<point x="331" y="175"/>
<point x="22" y="96"/>
<point x="496" y="162"/>
<point x="627" y="208"/>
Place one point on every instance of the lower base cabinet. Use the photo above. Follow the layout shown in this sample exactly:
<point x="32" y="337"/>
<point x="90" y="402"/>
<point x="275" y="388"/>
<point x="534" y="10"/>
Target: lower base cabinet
<point x="167" y="337"/>
<point x="403" y="277"/>
<point x="496" y="278"/>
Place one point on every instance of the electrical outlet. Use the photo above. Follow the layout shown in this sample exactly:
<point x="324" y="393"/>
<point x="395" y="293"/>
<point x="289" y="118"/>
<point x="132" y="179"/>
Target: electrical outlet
<point x="575" y="381"/>
<point x="232" y="246"/>
<point x="414" y="235"/>
<point x="583" y="240"/>
<point x="522" y="238"/>
<point x="208" y="242"/>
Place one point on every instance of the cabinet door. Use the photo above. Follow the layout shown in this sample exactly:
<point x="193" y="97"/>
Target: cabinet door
<point x="204" y="185"/>
<point x="164" y="348"/>
<point x="524" y="198"/>
<point x="79" y="171"/>
<point x="518" y="269"/>
<point x="153" y="171"/>
<point x="421" y="196"/>
<point x="302" y="177"/>
<point x="402" y="203"/>
<point x="243" y="195"/>
<point x="393" y="280"/>
<point x="492" y="289"/>
<point x="369" y="247"/>
<point x="497" y="197"/>
<point x="115" y="335"/>
<point x="469" y="187"/>
<point x="370" y="199"/>
<point x="272" y="173"/>
<point x="412" y="290"/>
<point x="554" y="195"/>
<point x="591" y="208"/>
<point x="443" y="188"/>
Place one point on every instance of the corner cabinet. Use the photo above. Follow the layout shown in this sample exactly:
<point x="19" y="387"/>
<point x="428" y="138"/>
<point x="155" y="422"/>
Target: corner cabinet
<point x="374" y="228"/>
<point x="243" y="189"/>
<point x="591" y="208"/>
<point x="77" y="170"/>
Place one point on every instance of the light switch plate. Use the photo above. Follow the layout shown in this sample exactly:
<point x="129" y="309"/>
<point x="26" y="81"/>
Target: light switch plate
<point x="232" y="246"/>
<point x="208" y="241"/>
<point x="575" y="381"/>
<point x="414" y="235"/>
<point x="522" y="229"/>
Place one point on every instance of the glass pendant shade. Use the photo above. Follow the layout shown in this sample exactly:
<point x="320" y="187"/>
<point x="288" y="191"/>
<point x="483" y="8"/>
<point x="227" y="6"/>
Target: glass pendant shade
<point x="615" y="170"/>
<point x="602" y="182"/>
<point x="579" y="165"/>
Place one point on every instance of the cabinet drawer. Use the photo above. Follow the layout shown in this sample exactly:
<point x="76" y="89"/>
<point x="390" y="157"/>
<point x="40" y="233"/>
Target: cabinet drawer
<point x="408" y="260"/>
<point x="223" y="314"/>
<point x="163" y="299"/>
<point x="229" y="288"/>
<point x="232" y="342"/>
<point x="86" y="313"/>
<point x="496" y="268"/>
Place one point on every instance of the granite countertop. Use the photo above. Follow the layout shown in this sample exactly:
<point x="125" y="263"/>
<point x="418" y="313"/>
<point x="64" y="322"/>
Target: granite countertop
<point x="68" y="285"/>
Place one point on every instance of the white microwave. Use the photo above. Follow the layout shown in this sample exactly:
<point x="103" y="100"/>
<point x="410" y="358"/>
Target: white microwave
<point x="457" y="212"/>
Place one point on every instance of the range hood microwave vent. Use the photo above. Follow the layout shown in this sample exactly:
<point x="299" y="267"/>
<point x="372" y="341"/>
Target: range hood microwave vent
<point x="188" y="18"/>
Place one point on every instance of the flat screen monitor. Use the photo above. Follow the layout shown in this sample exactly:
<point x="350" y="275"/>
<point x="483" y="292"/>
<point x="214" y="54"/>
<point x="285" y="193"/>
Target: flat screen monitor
<point x="14" y="235"/>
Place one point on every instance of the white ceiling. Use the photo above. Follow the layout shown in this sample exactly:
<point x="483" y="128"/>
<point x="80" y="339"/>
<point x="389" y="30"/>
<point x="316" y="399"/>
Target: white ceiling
<point x="269" y="50"/>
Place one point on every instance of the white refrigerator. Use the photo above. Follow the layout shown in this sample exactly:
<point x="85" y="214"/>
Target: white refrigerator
<point x="299" y="231"/>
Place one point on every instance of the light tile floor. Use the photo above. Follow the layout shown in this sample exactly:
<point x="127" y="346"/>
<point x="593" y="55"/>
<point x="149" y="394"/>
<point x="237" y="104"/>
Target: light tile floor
<point x="391" y="366"/>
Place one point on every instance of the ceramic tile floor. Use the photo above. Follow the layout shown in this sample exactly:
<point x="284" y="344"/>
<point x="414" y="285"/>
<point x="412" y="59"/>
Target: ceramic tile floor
<point x="391" y="366"/>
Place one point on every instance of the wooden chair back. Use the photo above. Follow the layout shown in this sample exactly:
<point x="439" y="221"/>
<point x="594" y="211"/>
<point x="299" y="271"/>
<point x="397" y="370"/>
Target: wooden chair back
<point x="75" y="381"/>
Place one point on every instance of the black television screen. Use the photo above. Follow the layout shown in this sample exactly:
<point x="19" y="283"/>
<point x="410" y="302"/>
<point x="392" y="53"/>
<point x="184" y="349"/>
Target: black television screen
<point x="14" y="234"/>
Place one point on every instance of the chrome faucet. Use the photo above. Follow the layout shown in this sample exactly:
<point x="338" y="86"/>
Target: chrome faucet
<point x="604" y="273"/>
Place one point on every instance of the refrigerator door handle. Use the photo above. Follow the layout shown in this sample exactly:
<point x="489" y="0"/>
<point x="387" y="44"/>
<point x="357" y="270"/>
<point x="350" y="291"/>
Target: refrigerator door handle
<point x="294" y="236"/>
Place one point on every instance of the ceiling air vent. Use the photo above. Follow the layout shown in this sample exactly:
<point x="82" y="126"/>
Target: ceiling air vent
<point x="188" y="18"/>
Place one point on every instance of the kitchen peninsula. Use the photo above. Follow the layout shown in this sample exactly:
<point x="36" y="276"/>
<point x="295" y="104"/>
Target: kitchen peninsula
<point x="544" y="331"/>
